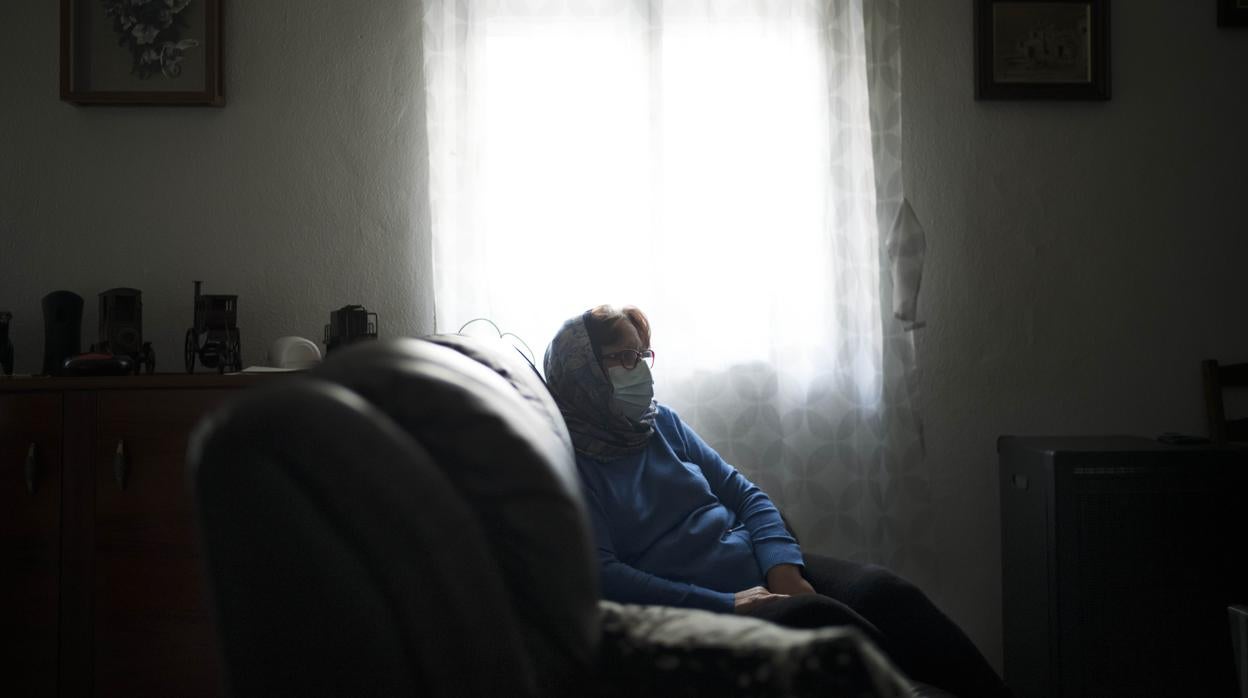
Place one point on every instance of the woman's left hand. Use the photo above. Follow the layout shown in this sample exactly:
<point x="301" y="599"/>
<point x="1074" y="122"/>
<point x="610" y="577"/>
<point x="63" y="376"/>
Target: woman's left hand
<point x="787" y="579"/>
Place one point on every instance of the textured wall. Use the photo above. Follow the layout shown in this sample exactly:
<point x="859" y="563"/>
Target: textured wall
<point x="302" y="195"/>
<point x="1082" y="257"/>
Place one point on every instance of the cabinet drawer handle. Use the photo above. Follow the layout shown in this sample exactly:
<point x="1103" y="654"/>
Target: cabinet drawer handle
<point x="32" y="470"/>
<point x="121" y="471"/>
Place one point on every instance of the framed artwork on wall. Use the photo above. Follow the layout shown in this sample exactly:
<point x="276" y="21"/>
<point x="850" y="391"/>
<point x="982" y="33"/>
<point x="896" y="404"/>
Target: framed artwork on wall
<point x="1233" y="13"/>
<point x="1042" y="49"/>
<point x="141" y="52"/>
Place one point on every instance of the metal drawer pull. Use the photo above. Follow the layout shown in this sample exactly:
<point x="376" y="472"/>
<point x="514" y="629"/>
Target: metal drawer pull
<point x="121" y="471"/>
<point x="32" y="470"/>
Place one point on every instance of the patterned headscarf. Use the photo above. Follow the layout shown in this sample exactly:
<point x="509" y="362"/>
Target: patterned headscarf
<point x="583" y="391"/>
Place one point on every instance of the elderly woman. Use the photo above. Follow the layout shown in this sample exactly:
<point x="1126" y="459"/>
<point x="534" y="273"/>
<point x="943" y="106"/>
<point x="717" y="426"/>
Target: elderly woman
<point x="675" y="525"/>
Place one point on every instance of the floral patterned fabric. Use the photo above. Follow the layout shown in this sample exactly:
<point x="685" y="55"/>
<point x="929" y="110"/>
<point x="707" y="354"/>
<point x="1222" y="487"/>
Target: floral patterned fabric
<point x="660" y="651"/>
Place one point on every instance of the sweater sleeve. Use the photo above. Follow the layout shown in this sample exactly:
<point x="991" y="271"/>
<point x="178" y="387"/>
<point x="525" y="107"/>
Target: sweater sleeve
<point x="773" y="544"/>
<point x="624" y="583"/>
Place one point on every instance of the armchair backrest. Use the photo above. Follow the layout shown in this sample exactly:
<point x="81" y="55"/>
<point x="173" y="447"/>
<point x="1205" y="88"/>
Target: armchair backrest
<point x="404" y="519"/>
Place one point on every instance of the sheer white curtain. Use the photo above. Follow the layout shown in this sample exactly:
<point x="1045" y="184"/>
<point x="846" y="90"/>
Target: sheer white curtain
<point x="729" y="166"/>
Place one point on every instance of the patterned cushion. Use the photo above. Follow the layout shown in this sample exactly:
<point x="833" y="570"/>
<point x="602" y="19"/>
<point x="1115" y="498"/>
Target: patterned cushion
<point x="660" y="651"/>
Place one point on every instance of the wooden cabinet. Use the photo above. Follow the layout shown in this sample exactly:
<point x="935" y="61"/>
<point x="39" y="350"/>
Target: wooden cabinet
<point x="30" y="538"/>
<point x="101" y="586"/>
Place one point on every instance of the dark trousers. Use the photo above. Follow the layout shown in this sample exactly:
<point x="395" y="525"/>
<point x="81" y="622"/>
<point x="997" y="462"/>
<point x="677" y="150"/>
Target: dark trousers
<point x="897" y="616"/>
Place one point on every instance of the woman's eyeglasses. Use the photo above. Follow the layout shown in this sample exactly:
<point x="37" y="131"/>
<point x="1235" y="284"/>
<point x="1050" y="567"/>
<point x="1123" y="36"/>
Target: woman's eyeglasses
<point x="629" y="358"/>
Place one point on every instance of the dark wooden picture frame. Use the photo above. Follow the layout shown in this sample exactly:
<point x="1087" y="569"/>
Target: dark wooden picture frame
<point x="1042" y="49"/>
<point x="160" y="53"/>
<point x="1233" y="13"/>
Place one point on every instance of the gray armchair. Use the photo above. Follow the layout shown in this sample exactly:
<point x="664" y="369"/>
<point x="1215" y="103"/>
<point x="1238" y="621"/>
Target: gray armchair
<point x="406" y="520"/>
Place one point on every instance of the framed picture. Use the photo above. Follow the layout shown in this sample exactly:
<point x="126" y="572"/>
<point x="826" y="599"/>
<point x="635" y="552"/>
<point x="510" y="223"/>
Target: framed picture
<point x="141" y="52"/>
<point x="1233" y="13"/>
<point x="1042" y="49"/>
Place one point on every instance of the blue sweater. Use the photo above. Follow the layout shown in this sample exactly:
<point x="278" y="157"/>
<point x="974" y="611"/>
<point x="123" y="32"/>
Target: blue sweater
<point x="677" y="526"/>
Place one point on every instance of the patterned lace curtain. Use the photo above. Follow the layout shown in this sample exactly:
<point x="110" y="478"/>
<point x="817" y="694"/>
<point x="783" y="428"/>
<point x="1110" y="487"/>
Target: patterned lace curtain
<point x="733" y="168"/>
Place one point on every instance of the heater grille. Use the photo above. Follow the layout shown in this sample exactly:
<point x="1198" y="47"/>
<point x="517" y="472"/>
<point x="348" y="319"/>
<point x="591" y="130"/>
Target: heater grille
<point x="1134" y="553"/>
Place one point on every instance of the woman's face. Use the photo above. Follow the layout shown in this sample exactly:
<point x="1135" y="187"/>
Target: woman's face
<point x="628" y="339"/>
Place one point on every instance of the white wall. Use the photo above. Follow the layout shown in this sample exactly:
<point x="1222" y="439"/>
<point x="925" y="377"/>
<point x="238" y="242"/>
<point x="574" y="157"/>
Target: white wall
<point x="1082" y="257"/>
<point x="302" y="195"/>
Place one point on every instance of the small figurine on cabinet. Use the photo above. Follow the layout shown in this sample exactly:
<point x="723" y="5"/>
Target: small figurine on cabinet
<point x="350" y="323"/>
<point x="216" y="324"/>
<point x="6" y="345"/>
<point x="121" y="328"/>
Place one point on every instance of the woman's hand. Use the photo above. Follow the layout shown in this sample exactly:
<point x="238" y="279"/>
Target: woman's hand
<point x="751" y="598"/>
<point x="787" y="580"/>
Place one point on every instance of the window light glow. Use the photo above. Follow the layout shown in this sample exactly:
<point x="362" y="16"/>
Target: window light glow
<point x="680" y="163"/>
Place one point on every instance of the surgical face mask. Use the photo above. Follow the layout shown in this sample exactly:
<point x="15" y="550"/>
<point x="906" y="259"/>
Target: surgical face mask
<point x="634" y="389"/>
